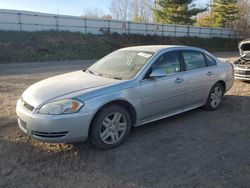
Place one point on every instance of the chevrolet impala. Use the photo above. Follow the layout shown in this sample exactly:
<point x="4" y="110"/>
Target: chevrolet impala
<point x="127" y="88"/>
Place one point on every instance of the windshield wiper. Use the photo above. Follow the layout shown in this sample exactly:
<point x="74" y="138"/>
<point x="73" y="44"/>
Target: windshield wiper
<point x="99" y="74"/>
<point x="114" y="77"/>
<point x="94" y="73"/>
<point x="117" y="78"/>
<point x="89" y="71"/>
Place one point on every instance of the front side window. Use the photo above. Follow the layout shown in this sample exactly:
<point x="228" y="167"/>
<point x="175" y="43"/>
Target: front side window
<point x="210" y="61"/>
<point x="193" y="60"/>
<point x="168" y="62"/>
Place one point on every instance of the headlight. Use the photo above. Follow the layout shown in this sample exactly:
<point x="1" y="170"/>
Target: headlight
<point x="65" y="106"/>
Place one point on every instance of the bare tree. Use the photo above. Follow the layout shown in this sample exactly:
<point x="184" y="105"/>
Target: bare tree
<point x="96" y="14"/>
<point x="136" y="10"/>
<point x="107" y="17"/>
<point x="120" y="9"/>
<point x="243" y="23"/>
<point x="93" y="13"/>
<point x="141" y="10"/>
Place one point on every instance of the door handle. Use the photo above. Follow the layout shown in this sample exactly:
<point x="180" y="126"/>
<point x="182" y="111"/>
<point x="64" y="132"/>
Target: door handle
<point x="210" y="73"/>
<point x="179" y="80"/>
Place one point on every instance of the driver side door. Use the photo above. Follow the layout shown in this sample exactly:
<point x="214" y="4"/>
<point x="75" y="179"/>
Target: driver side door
<point x="164" y="95"/>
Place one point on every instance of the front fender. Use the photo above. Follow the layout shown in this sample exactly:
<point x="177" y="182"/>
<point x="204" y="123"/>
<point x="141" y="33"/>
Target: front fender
<point x="131" y="95"/>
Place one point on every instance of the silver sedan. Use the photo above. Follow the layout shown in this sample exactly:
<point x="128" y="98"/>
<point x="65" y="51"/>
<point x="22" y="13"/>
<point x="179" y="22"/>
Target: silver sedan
<point x="127" y="88"/>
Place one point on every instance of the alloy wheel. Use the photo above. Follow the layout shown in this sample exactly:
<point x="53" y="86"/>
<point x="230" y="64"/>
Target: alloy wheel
<point x="113" y="128"/>
<point x="216" y="97"/>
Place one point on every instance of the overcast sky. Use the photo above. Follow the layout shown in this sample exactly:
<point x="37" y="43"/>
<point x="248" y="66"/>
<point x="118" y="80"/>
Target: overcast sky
<point x="67" y="7"/>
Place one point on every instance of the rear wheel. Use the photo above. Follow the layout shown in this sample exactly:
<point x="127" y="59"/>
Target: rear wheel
<point x="215" y="97"/>
<point x="110" y="127"/>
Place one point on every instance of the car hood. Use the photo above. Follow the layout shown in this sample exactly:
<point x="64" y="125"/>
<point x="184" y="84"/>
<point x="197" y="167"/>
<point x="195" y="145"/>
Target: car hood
<point x="244" y="47"/>
<point x="61" y="85"/>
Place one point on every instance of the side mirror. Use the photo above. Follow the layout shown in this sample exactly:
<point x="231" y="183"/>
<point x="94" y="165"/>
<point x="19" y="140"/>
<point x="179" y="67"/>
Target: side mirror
<point x="157" y="73"/>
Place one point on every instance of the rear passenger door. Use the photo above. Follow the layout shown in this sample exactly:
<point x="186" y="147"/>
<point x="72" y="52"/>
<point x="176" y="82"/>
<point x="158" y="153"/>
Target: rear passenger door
<point x="200" y="77"/>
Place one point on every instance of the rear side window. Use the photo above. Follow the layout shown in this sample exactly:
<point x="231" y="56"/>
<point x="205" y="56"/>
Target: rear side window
<point x="193" y="60"/>
<point x="210" y="61"/>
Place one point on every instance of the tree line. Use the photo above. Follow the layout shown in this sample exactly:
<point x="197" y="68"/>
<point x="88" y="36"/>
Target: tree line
<point x="216" y="13"/>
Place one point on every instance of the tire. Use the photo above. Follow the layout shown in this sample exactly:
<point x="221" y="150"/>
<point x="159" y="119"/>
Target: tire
<point x="110" y="127"/>
<point x="215" y="97"/>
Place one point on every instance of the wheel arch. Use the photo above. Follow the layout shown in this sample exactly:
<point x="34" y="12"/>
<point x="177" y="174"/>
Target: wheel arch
<point x="223" y="84"/>
<point x="121" y="102"/>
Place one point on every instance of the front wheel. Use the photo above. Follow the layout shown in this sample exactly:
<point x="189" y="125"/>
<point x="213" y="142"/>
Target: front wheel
<point x="110" y="127"/>
<point x="215" y="97"/>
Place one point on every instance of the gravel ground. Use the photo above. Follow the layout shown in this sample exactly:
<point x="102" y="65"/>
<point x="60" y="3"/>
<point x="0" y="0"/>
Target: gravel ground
<point x="194" y="149"/>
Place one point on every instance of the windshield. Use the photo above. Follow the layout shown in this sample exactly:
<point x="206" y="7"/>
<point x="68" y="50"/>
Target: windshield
<point x="121" y="64"/>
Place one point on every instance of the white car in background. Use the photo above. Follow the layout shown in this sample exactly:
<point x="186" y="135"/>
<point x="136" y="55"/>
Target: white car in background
<point x="242" y="65"/>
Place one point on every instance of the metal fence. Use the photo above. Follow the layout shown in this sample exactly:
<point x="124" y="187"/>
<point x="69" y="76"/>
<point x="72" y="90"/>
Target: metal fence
<point x="32" y="21"/>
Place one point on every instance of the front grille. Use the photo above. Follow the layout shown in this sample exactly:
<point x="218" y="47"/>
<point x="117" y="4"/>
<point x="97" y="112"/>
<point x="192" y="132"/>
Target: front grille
<point x="243" y="72"/>
<point x="26" y="105"/>
<point x="49" y="135"/>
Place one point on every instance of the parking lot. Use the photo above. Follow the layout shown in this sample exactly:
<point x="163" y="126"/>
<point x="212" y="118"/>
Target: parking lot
<point x="194" y="149"/>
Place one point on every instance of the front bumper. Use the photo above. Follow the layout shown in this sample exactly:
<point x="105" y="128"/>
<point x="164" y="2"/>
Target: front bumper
<point x="54" y="128"/>
<point x="241" y="73"/>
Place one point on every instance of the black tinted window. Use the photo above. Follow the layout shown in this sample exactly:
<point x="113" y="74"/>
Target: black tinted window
<point x="194" y="60"/>
<point x="210" y="61"/>
<point x="168" y="62"/>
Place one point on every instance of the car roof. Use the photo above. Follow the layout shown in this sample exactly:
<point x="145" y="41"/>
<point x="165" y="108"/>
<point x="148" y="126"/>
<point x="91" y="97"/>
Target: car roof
<point x="156" y="48"/>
